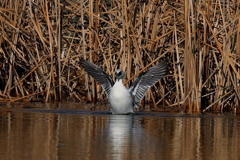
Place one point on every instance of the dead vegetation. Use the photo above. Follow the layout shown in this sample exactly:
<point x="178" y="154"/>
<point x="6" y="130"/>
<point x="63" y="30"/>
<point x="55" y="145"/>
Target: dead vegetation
<point x="41" y="43"/>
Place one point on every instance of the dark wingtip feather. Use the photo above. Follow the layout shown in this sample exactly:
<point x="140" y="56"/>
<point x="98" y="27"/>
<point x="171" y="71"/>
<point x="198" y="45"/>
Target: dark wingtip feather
<point x="147" y="79"/>
<point x="98" y="74"/>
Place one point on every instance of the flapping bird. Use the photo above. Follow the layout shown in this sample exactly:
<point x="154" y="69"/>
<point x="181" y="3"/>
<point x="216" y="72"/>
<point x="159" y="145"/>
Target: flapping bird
<point x="121" y="99"/>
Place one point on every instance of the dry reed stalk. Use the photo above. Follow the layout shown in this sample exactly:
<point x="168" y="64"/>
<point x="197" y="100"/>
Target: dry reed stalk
<point x="59" y="48"/>
<point x="7" y="110"/>
<point x="178" y="70"/>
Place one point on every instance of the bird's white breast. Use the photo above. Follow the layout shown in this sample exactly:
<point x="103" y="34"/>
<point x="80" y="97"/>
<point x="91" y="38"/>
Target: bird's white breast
<point x="120" y="99"/>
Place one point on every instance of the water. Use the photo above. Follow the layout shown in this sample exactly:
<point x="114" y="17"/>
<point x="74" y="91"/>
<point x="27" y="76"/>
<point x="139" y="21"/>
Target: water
<point x="70" y="131"/>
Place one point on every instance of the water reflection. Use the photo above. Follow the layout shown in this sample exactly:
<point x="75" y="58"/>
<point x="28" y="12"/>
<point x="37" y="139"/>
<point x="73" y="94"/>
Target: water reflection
<point x="96" y="135"/>
<point x="119" y="133"/>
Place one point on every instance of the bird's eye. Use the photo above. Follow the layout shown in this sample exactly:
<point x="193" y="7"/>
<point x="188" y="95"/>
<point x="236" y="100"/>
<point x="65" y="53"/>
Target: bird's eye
<point x="118" y="73"/>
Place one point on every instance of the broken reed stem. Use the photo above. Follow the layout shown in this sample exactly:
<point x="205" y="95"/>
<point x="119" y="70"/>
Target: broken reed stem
<point x="41" y="43"/>
<point x="216" y="102"/>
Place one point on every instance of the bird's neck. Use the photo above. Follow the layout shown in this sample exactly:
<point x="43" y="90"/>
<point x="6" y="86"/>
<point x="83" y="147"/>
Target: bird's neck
<point x="119" y="80"/>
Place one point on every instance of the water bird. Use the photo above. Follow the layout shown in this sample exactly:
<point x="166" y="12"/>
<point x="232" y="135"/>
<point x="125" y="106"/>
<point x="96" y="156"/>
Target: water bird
<point x="121" y="99"/>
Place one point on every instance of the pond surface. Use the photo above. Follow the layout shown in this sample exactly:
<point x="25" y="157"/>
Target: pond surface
<point x="45" y="131"/>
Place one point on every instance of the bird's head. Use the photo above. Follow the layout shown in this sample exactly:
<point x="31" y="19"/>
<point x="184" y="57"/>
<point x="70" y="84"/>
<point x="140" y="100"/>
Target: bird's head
<point x="119" y="74"/>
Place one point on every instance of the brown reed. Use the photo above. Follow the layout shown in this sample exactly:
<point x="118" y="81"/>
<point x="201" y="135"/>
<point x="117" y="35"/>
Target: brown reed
<point x="41" y="42"/>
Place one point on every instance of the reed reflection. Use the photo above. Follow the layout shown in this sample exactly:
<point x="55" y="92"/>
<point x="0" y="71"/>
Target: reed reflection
<point x="31" y="135"/>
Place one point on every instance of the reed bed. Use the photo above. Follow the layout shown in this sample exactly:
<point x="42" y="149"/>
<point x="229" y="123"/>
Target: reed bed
<point x="41" y="43"/>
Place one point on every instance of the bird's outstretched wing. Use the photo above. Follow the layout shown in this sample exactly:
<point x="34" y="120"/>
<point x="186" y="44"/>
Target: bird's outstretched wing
<point x="98" y="74"/>
<point x="145" y="80"/>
